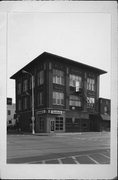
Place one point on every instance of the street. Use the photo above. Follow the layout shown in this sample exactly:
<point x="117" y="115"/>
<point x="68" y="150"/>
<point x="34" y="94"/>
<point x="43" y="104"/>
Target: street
<point x="68" y="148"/>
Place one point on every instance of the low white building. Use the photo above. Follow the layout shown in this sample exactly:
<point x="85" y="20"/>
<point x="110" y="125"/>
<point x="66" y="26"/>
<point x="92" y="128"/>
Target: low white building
<point x="11" y="108"/>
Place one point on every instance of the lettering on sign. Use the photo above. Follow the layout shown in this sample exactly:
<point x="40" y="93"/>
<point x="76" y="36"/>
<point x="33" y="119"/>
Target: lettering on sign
<point x="55" y="112"/>
<point x="42" y="112"/>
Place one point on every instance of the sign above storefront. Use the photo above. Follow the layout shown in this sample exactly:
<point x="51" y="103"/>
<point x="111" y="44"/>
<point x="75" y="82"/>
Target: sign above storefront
<point x="55" y="112"/>
<point x="50" y="111"/>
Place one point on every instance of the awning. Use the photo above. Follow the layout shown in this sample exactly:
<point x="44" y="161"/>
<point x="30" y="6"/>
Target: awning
<point x="105" y="117"/>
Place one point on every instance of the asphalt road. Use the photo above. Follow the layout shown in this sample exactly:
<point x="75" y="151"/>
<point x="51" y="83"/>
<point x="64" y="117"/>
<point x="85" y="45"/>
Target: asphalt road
<point x="85" y="148"/>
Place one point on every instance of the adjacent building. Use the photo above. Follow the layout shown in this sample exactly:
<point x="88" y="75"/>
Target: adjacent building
<point x="11" y="108"/>
<point x="66" y="95"/>
<point x="105" y="113"/>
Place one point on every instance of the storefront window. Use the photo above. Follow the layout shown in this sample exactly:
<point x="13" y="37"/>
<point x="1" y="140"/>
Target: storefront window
<point x="59" y="123"/>
<point x="41" y="124"/>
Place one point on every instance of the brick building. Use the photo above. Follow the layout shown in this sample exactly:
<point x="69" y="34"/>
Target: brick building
<point x="11" y="108"/>
<point x="105" y="113"/>
<point x="66" y="95"/>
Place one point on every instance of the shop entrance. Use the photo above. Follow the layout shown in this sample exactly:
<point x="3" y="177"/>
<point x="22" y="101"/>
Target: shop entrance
<point x="52" y="125"/>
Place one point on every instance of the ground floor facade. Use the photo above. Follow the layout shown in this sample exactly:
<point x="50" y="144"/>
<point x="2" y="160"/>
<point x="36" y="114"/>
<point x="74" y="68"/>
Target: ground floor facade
<point x="58" y="121"/>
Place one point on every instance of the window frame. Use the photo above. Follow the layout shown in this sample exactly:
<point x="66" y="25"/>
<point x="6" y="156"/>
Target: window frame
<point x="58" y="98"/>
<point x="90" y="84"/>
<point x="58" y="77"/>
<point x="73" y="79"/>
<point x="40" y="77"/>
<point x="75" y="101"/>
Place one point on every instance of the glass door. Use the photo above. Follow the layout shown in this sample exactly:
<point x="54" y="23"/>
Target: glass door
<point x="52" y="125"/>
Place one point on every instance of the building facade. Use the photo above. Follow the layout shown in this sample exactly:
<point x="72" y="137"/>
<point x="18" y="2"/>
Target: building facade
<point x="66" y="95"/>
<point x="105" y="113"/>
<point x="11" y="108"/>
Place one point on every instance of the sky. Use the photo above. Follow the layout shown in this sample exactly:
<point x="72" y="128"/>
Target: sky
<point x="83" y="37"/>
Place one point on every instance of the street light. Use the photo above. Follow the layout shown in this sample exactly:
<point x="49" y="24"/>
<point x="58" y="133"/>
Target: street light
<point x="33" y="118"/>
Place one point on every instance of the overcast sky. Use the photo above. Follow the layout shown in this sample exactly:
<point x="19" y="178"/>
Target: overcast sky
<point x="83" y="37"/>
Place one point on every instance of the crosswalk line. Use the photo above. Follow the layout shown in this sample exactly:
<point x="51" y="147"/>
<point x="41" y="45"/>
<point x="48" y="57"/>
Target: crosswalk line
<point x="75" y="160"/>
<point x="92" y="159"/>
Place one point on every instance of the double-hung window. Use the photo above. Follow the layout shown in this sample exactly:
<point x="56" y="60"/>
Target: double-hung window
<point x="40" y="98"/>
<point x="91" y="84"/>
<point x="25" y="103"/>
<point x="90" y="102"/>
<point x="75" y="101"/>
<point x="58" y="98"/>
<point x="25" y="85"/>
<point x="19" y="88"/>
<point x="40" y="77"/>
<point x="19" y="104"/>
<point x="75" y="81"/>
<point x="58" y="77"/>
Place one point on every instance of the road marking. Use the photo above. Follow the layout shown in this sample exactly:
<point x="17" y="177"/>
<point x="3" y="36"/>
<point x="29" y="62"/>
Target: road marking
<point x="92" y="159"/>
<point x="75" y="160"/>
<point x="104" y="155"/>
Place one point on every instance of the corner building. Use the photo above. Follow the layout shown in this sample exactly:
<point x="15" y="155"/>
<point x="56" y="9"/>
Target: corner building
<point x="66" y="95"/>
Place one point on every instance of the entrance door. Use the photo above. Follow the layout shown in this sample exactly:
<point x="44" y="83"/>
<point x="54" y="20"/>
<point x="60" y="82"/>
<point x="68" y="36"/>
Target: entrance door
<point x="52" y="125"/>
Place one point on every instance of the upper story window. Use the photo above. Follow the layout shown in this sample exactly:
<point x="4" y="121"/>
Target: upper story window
<point x="105" y="110"/>
<point x="19" y="104"/>
<point x="25" y="85"/>
<point x="19" y="88"/>
<point x="90" y="102"/>
<point x="58" y="98"/>
<point x="40" y="77"/>
<point x="8" y="112"/>
<point x="75" y="81"/>
<point x="58" y="77"/>
<point x="75" y="101"/>
<point x="91" y="84"/>
<point x="40" y="98"/>
<point x="25" y="103"/>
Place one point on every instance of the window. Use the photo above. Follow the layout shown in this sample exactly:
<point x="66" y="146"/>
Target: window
<point x="41" y="124"/>
<point x="40" y="78"/>
<point x="19" y="88"/>
<point x="19" y="104"/>
<point x="90" y="102"/>
<point x="58" y="98"/>
<point x="9" y="122"/>
<point x="105" y="110"/>
<point x="40" y="98"/>
<point x="90" y="84"/>
<point x="8" y="112"/>
<point x="59" y="123"/>
<point x="25" y="85"/>
<point x="75" y="81"/>
<point x="75" y="101"/>
<point x="25" y="103"/>
<point x="58" y="77"/>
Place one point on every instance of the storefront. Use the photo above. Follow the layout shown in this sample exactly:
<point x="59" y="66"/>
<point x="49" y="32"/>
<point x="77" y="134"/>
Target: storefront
<point x="50" y="121"/>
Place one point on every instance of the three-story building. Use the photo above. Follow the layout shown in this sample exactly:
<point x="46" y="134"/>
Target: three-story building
<point x="66" y="95"/>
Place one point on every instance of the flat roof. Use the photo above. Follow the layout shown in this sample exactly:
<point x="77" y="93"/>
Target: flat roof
<point x="59" y="58"/>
